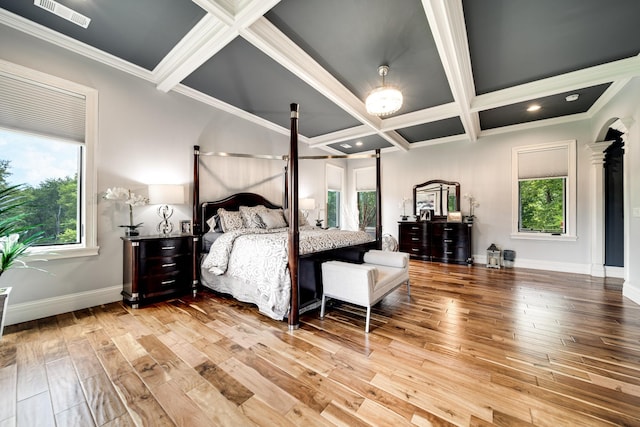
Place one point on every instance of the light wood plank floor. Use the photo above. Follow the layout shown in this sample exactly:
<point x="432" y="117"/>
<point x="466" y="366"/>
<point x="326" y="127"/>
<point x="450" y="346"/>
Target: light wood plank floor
<point x="472" y="346"/>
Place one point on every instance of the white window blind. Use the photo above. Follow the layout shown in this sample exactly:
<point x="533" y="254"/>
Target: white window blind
<point x="35" y="107"/>
<point x="334" y="178"/>
<point x="543" y="163"/>
<point x="365" y="179"/>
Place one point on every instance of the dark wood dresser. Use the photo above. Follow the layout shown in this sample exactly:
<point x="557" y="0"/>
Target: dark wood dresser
<point x="156" y="267"/>
<point x="438" y="241"/>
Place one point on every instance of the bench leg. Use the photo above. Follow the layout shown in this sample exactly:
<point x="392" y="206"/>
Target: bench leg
<point x="366" y="327"/>
<point x="322" y="307"/>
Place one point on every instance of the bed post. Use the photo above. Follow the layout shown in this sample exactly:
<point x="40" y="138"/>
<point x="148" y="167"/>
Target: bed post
<point x="294" y="237"/>
<point x="195" y="227"/>
<point x="378" y="201"/>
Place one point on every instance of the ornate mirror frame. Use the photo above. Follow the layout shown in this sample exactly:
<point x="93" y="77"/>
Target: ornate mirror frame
<point x="436" y="194"/>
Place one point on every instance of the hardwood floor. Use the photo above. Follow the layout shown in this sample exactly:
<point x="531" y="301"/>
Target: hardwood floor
<point x="472" y="346"/>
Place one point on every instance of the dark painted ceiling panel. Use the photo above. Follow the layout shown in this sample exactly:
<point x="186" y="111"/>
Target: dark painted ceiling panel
<point x="246" y="78"/>
<point x="518" y="41"/>
<point x="509" y="42"/>
<point x="371" y="142"/>
<point x="433" y="130"/>
<point x="352" y="38"/>
<point x="551" y="106"/>
<point x="139" y="31"/>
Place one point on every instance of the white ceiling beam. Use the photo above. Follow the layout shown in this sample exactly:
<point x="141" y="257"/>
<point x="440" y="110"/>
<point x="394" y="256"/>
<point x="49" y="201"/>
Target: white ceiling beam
<point x="341" y="135"/>
<point x="266" y="37"/>
<point x="605" y="73"/>
<point x="224" y="11"/>
<point x="205" y="40"/>
<point x="446" y="20"/>
<point x="432" y="114"/>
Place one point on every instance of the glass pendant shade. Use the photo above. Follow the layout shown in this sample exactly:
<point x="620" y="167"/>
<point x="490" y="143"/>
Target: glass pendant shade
<point x="383" y="100"/>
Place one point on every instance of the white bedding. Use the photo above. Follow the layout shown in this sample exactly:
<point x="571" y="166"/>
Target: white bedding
<point x="252" y="265"/>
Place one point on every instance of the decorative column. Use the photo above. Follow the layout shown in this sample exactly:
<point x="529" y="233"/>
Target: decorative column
<point x="596" y="181"/>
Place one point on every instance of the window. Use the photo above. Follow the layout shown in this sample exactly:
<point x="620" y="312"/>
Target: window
<point x="333" y="208"/>
<point x="47" y="134"/>
<point x="365" y="182"/>
<point x="544" y="195"/>
<point x="366" y="209"/>
<point x="334" y="184"/>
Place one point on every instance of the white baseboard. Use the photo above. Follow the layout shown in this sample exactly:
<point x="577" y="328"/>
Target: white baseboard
<point x="17" y="313"/>
<point x="617" y="272"/>
<point x="562" y="267"/>
<point x="631" y="292"/>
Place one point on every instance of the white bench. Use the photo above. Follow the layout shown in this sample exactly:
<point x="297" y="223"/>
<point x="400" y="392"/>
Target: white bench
<point x="365" y="284"/>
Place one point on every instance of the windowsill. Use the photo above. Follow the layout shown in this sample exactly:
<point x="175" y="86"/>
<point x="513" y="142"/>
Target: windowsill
<point x="544" y="236"/>
<point x="60" y="253"/>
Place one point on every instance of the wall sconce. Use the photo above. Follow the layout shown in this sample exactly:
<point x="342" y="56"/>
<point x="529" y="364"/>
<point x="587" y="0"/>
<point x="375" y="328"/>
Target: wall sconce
<point x="165" y="195"/>
<point x="306" y="205"/>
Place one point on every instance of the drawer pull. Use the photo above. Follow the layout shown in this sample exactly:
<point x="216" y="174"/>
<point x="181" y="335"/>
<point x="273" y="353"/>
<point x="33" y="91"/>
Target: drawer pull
<point x="415" y="250"/>
<point x="415" y="239"/>
<point x="449" y="253"/>
<point x="415" y="228"/>
<point x="166" y="248"/>
<point x="171" y="264"/>
<point x="448" y="241"/>
<point x="167" y="282"/>
<point x="448" y="229"/>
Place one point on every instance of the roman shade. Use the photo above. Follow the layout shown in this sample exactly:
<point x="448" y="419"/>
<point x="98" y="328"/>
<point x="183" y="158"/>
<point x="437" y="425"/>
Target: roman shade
<point x="365" y="179"/>
<point x="543" y="163"/>
<point x="34" y="107"/>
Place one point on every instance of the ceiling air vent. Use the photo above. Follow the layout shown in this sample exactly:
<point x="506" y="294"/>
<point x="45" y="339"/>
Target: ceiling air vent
<point x="63" y="12"/>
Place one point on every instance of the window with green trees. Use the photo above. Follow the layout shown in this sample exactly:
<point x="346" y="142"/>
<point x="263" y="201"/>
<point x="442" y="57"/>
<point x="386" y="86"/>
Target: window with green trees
<point x="333" y="209"/>
<point x="366" y="209"/>
<point x="48" y="171"/>
<point x="542" y="205"/>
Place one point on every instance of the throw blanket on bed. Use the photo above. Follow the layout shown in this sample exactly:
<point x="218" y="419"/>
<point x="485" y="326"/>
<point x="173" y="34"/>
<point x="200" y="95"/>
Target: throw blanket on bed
<point x="260" y="257"/>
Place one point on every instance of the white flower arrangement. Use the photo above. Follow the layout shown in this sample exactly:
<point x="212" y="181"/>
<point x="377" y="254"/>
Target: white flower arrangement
<point x="473" y="203"/>
<point x="124" y="195"/>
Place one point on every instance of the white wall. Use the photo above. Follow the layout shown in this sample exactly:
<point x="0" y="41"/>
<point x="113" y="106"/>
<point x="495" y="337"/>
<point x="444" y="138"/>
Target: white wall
<point x="146" y="136"/>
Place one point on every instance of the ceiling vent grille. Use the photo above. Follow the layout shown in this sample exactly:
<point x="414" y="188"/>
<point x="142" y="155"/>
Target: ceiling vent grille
<point x="63" y="12"/>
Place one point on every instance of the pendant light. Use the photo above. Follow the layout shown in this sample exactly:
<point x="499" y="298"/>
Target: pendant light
<point x="384" y="100"/>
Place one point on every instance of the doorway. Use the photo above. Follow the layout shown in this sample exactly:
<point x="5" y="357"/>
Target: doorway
<point x="614" y="200"/>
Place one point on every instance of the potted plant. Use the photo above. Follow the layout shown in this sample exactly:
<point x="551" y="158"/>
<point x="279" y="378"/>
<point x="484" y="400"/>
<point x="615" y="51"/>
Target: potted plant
<point x="124" y="195"/>
<point x="14" y="238"/>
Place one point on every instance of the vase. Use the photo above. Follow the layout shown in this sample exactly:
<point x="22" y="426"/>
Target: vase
<point x="4" y="300"/>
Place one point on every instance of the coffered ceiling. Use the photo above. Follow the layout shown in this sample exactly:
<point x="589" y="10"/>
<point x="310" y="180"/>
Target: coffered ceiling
<point x="467" y="68"/>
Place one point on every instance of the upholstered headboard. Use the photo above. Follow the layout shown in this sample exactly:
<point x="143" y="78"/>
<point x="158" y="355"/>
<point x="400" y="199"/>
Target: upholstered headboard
<point x="232" y="203"/>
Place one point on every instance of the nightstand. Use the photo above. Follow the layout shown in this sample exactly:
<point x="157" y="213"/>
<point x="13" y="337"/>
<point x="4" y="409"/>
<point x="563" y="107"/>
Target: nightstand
<point x="157" y="267"/>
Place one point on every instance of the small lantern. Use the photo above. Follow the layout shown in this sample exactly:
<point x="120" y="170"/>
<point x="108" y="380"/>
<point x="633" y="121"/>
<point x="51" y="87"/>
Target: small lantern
<point x="493" y="256"/>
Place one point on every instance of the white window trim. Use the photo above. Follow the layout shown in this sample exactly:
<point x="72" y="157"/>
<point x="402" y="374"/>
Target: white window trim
<point x="571" y="189"/>
<point x="88" y="189"/>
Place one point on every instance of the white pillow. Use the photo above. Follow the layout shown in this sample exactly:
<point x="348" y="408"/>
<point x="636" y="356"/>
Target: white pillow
<point x="250" y="216"/>
<point x="230" y="220"/>
<point x="272" y="218"/>
<point x="214" y="223"/>
<point x="301" y="218"/>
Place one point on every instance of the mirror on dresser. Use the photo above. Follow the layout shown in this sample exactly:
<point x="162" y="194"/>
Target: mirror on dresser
<point x="437" y="197"/>
<point x="432" y="237"/>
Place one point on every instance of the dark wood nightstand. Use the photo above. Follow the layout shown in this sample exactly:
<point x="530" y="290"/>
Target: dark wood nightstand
<point x="158" y="267"/>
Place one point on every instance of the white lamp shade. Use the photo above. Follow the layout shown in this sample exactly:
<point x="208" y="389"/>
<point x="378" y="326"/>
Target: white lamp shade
<point x="166" y="194"/>
<point x="307" y="204"/>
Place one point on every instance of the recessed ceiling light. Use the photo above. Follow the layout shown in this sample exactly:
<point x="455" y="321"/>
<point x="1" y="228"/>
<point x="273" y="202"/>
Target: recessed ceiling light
<point x="533" y="107"/>
<point x="573" y="97"/>
<point x="345" y="145"/>
<point x="359" y="143"/>
<point x="63" y="12"/>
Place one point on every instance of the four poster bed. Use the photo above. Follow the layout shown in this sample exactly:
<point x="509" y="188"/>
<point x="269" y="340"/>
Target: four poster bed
<point x="266" y="254"/>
